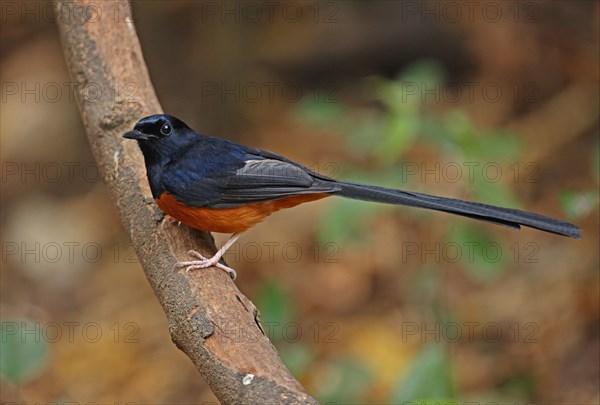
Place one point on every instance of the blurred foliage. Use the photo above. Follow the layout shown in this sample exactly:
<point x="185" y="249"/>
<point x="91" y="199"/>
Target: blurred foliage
<point x="579" y="204"/>
<point x="388" y="135"/>
<point x="23" y="352"/>
<point x="428" y="379"/>
<point x="274" y="303"/>
<point x="367" y="295"/>
<point x="347" y="379"/>
<point x="277" y="315"/>
<point x="485" y="262"/>
<point x="348" y="219"/>
<point x="518" y="386"/>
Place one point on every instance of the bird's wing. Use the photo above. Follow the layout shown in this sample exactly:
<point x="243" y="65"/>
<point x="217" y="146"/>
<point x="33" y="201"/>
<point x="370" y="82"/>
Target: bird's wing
<point x="239" y="180"/>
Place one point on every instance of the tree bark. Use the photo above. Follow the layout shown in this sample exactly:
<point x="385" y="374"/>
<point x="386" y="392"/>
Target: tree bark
<point x="214" y="324"/>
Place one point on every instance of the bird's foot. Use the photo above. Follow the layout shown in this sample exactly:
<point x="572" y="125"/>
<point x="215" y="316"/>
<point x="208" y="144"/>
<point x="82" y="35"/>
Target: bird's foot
<point x="204" y="263"/>
<point x="170" y="220"/>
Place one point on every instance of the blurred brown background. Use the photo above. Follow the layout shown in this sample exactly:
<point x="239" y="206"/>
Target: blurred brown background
<point x="366" y="303"/>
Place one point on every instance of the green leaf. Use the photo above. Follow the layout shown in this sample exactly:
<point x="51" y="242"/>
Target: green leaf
<point x="399" y="135"/>
<point x="428" y="378"/>
<point x="23" y="350"/>
<point x="275" y="307"/>
<point x="483" y="257"/>
<point x="427" y="71"/>
<point x="297" y="357"/>
<point x="345" y="222"/>
<point x="345" y="380"/>
<point x="579" y="204"/>
<point x="458" y="128"/>
<point x="318" y="112"/>
<point x="518" y="387"/>
<point x="475" y="144"/>
<point x="364" y="133"/>
<point x="492" y="191"/>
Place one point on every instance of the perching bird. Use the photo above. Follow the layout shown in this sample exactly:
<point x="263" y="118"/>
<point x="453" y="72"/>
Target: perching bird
<point x="217" y="185"/>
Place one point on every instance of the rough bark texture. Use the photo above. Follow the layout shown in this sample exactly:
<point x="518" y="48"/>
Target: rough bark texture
<point x="215" y="325"/>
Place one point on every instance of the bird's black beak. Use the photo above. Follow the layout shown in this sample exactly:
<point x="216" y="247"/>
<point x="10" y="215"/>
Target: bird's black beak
<point x="135" y="134"/>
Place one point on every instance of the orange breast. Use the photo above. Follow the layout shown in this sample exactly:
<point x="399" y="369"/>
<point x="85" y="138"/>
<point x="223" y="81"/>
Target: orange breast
<point x="229" y="220"/>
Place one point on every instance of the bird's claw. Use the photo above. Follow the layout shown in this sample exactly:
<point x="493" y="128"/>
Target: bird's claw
<point x="204" y="263"/>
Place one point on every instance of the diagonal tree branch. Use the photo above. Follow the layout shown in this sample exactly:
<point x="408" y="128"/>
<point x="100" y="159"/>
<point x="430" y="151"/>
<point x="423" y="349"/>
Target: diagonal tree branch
<point x="214" y="324"/>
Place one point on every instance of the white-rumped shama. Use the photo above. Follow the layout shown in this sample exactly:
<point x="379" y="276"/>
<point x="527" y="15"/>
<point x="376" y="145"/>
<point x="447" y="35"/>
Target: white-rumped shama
<point x="216" y="185"/>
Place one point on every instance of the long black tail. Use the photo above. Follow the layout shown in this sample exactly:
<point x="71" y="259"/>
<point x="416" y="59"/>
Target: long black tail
<point x="498" y="215"/>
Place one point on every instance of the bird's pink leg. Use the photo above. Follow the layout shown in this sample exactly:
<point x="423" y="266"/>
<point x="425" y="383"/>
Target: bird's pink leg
<point x="213" y="261"/>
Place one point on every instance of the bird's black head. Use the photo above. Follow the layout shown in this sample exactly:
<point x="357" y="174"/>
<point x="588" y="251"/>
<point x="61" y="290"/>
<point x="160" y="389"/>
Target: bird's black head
<point x="161" y="137"/>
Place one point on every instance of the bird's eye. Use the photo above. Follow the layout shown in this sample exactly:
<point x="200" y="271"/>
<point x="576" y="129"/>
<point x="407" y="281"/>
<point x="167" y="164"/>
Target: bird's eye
<point x="166" y="129"/>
